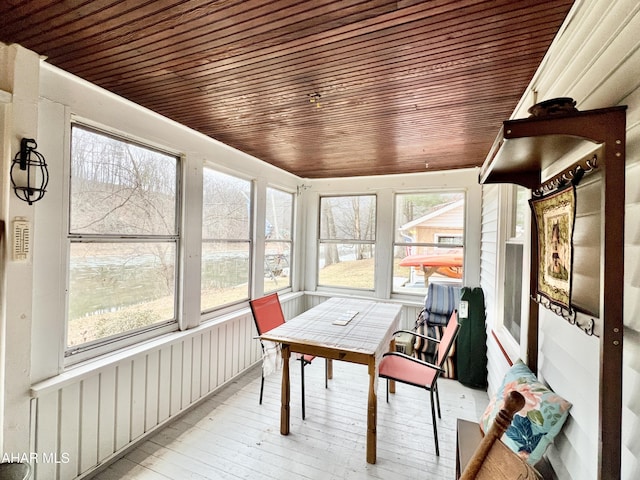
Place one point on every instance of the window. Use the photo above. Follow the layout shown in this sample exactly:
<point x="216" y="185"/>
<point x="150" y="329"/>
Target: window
<point x="512" y="307"/>
<point x="278" y="235"/>
<point x="347" y="241"/>
<point x="123" y="239"/>
<point x="226" y="239"/>
<point x="448" y="239"/>
<point x="428" y="244"/>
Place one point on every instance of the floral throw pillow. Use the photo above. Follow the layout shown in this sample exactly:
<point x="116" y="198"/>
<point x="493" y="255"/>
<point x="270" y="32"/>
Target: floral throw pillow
<point x="535" y="426"/>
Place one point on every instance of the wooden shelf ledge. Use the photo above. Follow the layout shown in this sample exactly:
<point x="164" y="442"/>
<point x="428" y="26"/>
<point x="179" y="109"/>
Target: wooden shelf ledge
<point x="526" y="147"/>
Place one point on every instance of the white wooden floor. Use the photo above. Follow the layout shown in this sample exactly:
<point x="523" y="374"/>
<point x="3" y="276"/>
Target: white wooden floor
<point x="231" y="436"/>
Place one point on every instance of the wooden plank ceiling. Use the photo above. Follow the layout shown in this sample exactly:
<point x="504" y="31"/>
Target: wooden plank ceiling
<point x="319" y="88"/>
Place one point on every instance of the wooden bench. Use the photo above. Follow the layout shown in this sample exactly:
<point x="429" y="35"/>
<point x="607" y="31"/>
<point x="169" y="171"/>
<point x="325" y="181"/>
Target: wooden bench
<point x="485" y="457"/>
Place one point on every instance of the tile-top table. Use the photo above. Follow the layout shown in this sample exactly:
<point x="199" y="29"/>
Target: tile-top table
<point x="352" y="330"/>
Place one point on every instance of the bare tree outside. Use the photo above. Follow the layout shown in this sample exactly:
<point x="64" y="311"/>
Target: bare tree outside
<point x="329" y="231"/>
<point x="278" y="240"/>
<point x="123" y="236"/>
<point x="347" y="234"/>
<point x="226" y="239"/>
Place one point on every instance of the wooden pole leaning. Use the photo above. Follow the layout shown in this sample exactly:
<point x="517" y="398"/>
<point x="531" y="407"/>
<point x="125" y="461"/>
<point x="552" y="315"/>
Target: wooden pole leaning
<point x="513" y="403"/>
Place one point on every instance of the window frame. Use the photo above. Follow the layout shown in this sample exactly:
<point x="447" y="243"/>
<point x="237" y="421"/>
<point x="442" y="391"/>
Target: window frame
<point x="88" y="350"/>
<point x="211" y="312"/>
<point x="507" y="221"/>
<point x="290" y="241"/>
<point x="439" y="237"/>
<point x="339" y="241"/>
<point x="420" y="293"/>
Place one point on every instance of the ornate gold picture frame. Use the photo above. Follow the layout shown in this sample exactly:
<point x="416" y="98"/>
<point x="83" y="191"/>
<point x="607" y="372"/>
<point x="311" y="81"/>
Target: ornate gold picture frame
<point x="554" y="219"/>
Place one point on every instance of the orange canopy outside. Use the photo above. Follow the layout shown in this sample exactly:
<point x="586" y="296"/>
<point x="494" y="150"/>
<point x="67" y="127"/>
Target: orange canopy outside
<point x="449" y="265"/>
<point x="450" y="260"/>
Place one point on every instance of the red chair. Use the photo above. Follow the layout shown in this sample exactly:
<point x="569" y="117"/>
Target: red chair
<point x="406" y="369"/>
<point x="267" y="315"/>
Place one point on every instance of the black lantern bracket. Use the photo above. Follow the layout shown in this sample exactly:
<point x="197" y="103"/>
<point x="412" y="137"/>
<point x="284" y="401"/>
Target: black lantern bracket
<point x="29" y="173"/>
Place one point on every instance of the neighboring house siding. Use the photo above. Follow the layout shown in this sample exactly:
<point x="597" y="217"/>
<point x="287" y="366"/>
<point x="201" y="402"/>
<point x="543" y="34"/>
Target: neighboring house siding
<point x="596" y="61"/>
<point x="427" y="228"/>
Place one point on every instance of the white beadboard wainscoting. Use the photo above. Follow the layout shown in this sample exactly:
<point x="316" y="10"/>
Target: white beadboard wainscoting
<point x="93" y="413"/>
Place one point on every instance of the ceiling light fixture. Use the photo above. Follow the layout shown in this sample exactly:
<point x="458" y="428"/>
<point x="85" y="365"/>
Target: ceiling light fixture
<point x="315" y="98"/>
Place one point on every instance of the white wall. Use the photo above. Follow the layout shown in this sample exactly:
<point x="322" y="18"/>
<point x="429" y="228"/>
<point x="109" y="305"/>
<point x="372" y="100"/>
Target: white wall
<point x="19" y="84"/>
<point x="63" y="98"/>
<point x="595" y="60"/>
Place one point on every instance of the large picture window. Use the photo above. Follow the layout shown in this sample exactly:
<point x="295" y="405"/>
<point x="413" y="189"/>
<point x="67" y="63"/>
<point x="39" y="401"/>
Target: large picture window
<point x="347" y="241"/>
<point x="278" y="240"/>
<point x="226" y="239"/>
<point x="123" y="237"/>
<point x="428" y="245"/>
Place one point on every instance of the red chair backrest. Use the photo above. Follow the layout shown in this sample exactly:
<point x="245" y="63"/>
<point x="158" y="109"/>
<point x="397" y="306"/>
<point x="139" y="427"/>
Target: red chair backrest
<point x="448" y="337"/>
<point x="267" y="313"/>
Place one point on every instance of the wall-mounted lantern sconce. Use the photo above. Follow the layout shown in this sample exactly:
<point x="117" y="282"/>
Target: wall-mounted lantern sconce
<point x="31" y="177"/>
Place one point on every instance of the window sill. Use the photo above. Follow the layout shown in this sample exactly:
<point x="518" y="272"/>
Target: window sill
<point x="91" y="367"/>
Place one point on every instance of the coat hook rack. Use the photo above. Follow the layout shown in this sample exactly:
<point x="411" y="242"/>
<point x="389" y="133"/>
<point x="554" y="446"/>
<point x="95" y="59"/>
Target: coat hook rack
<point x="573" y="175"/>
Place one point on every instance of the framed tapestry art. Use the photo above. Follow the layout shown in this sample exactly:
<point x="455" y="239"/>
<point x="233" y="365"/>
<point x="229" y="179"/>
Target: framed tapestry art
<point x="554" y="218"/>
